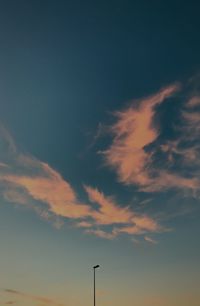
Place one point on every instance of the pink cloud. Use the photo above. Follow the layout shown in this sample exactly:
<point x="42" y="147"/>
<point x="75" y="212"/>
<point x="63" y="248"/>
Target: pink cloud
<point x="101" y="233"/>
<point x="188" y="154"/>
<point x="84" y="224"/>
<point x="108" y="212"/>
<point x="134" y="131"/>
<point x="23" y="178"/>
<point x="127" y="220"/>
<point x="51" y="189"/>
<point x="61" y="200"/>
<point x="166" y="180"/>
<point x="34" y="184"/>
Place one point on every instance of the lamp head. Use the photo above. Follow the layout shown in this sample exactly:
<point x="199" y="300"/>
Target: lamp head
<point x="95" y="267"/>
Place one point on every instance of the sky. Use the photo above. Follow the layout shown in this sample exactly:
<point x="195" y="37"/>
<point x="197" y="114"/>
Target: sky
<point x="99" y="152"/>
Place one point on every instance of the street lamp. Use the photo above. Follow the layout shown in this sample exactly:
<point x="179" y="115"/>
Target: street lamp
<point x="95" y="267"/>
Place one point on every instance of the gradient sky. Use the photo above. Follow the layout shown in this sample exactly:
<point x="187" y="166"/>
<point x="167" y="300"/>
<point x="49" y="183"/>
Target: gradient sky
<point x="99" y="152"/>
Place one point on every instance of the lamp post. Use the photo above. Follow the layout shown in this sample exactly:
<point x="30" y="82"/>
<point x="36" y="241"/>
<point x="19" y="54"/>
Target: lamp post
<point x="95" y="267"/>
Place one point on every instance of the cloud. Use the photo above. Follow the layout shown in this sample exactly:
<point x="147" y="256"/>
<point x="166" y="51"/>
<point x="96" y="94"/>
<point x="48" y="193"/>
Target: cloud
<point x="32" y="183"/>
<point x="166" y="180"/>
<point x="173" y="149"/>
<point x="50" y="188"/>
<point x="13" y="195"/>
<point x="132" y="132"/>
<point x="142" y="153"/>
<point x="148" y="239"/>
<point x="110" y="213"/>
<point x="193" y="101"/>
<point x="101" y="233"/>
<point x="40" y="299"/>
<point x="144" y="157"/>
<point x="192" y="119"/>
<point x="84" y="224"/>
<point x="139" y="154"/>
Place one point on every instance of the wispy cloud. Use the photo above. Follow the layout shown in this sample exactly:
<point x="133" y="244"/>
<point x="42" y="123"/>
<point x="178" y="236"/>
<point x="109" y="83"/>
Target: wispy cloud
<point x="150" y="240"/>
<point x="109" y="212"/>
<point x="32" y="183"/>
<point x="52" y="189"/>
<point x="133" y="131"/>
<point x="137" y="148"/>
<point x="138" y="153"/>
<point x="101" y="233"/>
<point x="124" y="219"/>
<point x="193" y="101"/>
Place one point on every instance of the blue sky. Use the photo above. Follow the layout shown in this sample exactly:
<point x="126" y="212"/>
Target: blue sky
<point x="99" y="152"/>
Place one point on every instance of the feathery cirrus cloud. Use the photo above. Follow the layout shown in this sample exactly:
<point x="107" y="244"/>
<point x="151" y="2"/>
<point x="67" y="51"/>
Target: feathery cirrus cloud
<point x="137" y="146"/>
<point x="30" y="182"/>
<point x="135" y="153"/>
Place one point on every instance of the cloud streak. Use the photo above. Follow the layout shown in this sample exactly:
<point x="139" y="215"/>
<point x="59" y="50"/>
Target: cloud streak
<point x="34" y="184"/>
<point x="132" y="132"/>
<point x="139" y="154"/>
<point x="110" y="213"/>
<point x="137" y="146"/>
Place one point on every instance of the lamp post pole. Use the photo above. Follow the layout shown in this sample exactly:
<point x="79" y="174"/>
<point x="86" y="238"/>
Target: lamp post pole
<point x="95" y="267"/>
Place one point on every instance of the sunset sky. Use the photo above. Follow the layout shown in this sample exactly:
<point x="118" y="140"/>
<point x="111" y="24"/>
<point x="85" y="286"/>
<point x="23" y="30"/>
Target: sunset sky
<point x="99" y="152"/>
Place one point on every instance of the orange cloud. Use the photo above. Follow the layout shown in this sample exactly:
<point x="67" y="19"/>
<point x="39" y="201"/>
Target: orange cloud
<point x="101" y="233"/>
<point x="32" y="183"/>
<point x="61" y="200"/>
<point x="110" y="213"/>
<point x="135" y="141"/>
<point x="84" y="224"/>
<point x="166" y="180"/>
<point x="134" y="131"/>
<point x="188" y="154"/>
<point x="50" y="188"/>
<point x="140" y="224"/>
<point x="25" y="178"/>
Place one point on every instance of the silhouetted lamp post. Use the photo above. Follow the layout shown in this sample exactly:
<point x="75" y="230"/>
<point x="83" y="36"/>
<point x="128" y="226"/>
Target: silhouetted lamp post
<point x="95" y="267"/>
